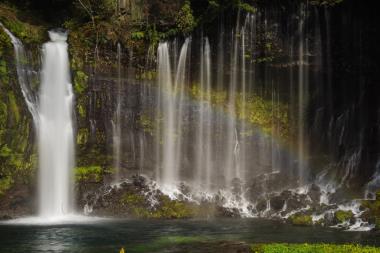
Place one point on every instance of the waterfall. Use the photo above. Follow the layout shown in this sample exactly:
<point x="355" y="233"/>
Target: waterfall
<point x="116" y="124"/>
<point x="55" y="133"/>
<point x="203" y="160"/>
<point x="302" y="93"/>
<point x="24" y="75"/>
<point x="166" y="174"/>
<point x="52" y="118"/>
<point x="170" y="103"/>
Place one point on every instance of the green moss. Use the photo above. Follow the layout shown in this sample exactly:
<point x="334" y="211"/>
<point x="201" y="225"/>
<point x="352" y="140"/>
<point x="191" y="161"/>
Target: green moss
<point x="4" y="76"/>
<point x="271" y="118"/>
<point x="82" y="136"/>
<point x="138" y="206"/>
<point x="342" y="216"/>
<point x="80" y="81"/>
<point x="88" y="173"/>
<point x="312" y="248"/>
<point x="132" y="199"/>
<point x="174" y="209"/>
<point x="373" y="212"/>
<point x="14" y="110"/>
<point x="137" y="35"/>
<point x="146" y="123"/>
<point x="30" y="34"/>
<point x="301" y="220"/>
<point x="5" y="184"/>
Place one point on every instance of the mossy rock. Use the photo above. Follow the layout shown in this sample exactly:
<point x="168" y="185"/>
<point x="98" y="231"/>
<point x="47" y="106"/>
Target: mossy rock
<point x="342" y="216"/>
<point x="301" y="220"/>
<point x="89" y="173"/>
<point x="377" y="223"/>
<point x="138" y="206"/>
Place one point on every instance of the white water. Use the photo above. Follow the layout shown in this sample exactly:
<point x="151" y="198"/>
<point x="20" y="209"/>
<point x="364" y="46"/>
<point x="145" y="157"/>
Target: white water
<point x="56" y="134"/>
<point x="52" y="116"/>
<point x="302" y="93"/>
<point x="203" y="156"/>
<point x="23" y="75"/>
<point x="116" y="123"/>
<point x="171" y="112"/>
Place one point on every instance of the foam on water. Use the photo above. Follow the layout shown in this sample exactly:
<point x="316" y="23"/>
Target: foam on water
<point x="55" y="220"/>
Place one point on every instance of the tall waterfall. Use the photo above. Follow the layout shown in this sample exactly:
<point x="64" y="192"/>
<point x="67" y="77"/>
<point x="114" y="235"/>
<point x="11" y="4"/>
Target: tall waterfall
<point x="55" y="134"/>
<point x="116" y="124"/>
<point x="302" y="93"/>
<point x="203" y="156"/>
<point x="170" y="110"/>
<point x="52" y="118"/>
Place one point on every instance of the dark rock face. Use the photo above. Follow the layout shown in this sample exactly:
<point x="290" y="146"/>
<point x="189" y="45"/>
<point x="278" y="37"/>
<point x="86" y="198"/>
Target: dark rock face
<point x="18" y="202"/>
<point x="277" y="203"/>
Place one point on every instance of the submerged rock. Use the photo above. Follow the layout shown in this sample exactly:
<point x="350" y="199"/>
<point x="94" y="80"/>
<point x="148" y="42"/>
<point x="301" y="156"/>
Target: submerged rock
<point x="301" y="220"/>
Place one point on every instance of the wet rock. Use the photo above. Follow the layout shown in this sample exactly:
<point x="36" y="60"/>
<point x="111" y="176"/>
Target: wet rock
<point x="237" y="185"/>
<point x="277" y="203"/>
<point x="139" y="181"/>
<point x="261" y="205"/>
<point x="314" y="194"/>
<point x="5" y="217"/>
<point x="296" y="202"/>
<point x="228" y="212"/>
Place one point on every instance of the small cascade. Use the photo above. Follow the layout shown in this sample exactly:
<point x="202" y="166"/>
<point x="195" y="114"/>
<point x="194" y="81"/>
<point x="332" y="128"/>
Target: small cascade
<point x="116" y="123"/>
<point x="56" y="133"/>
<point x="203" y="154"/>
<point x="302" y="93"/>
<point x="24" y="75"/>
<point x="230" y="168"/>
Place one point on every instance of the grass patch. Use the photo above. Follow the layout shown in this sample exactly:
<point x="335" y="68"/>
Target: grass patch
<point x="312" y="248"/>
<point x="163" y="242"/>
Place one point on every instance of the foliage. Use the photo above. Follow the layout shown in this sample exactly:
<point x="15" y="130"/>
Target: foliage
<point x="89" y="173"/>
<point x="185" y="20"/>
<point x="247" y="7"/>
<point x="137" y="35"/>
<point x="312" y="248"/>
<point x="30" y="34"/>
<point x="301" y="220"/>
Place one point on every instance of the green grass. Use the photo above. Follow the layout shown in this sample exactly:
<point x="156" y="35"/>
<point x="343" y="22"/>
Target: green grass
<point x="164" y="242"/>
<point x="312" y="248"/>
